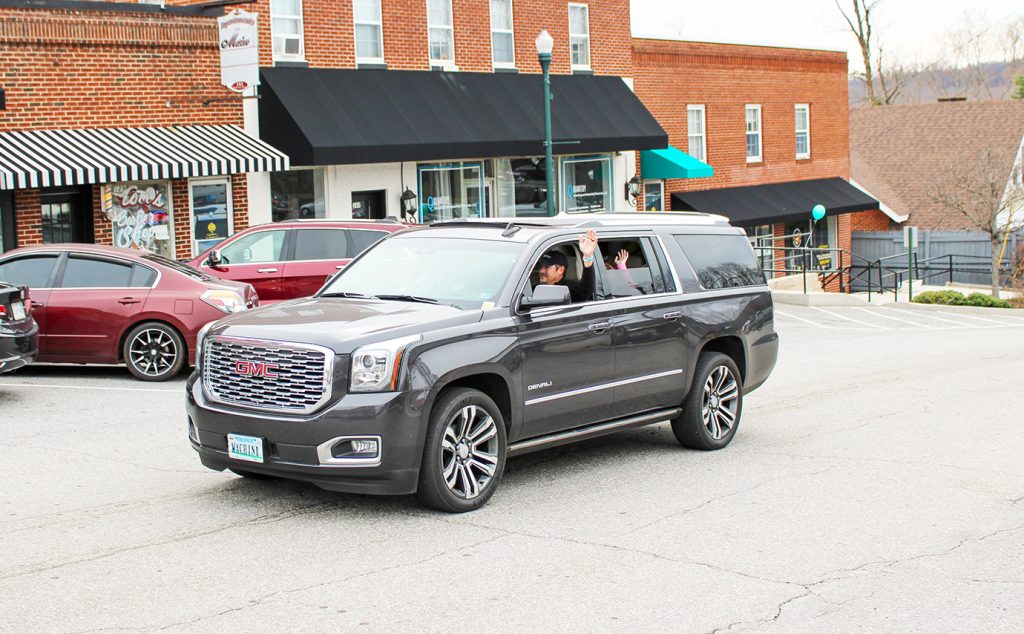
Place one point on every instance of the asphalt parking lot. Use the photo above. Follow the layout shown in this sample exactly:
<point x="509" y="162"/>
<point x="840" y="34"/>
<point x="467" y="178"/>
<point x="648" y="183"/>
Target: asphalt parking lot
<point x="876" y="483"/>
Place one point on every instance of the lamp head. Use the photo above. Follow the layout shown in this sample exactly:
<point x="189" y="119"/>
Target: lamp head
<point x="545" y="43"/>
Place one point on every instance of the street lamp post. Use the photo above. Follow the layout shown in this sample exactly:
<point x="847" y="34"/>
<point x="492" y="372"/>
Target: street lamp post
<point x="545" y="43"/>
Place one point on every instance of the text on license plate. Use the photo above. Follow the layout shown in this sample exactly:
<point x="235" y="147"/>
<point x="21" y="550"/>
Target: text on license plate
<point x="17" y="311"/>
<point x="245" y="448"/>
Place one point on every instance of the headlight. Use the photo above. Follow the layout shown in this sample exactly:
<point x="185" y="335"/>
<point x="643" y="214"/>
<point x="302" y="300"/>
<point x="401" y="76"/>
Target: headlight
<point x="375" y="367"/>
<point x="200" y="338"/>
<point x="224" y="301"/>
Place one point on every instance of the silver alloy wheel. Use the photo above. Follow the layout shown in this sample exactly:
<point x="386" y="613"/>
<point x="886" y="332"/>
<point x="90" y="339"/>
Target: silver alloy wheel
<point x="718" y="406"/>
<point x="469" y="451"/>
<point x="152" y="352"/>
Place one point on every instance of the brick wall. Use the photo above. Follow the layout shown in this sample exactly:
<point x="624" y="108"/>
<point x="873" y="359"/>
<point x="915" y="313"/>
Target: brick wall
<point x="723" y="78"/>
<point x="329" y="34"/>
<point x="871" y="221"/>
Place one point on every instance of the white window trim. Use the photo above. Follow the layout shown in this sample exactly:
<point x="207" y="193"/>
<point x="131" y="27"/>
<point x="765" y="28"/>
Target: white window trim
<point x="191" y="212"/>
<point x="661" y="185"/>
<point x="510" y="31"/>
<point x="579" y="66"/>
<point x="807" y="109"/>
<point x="380" y="34"/>
<point x="445" y="63"/>
<point x="704" y="129"/>
<point x="760" y="136"/>
<point x="301" y="57"/>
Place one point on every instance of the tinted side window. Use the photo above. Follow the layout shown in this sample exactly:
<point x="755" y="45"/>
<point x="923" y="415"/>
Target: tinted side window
<point x="627" y="269"/>
<point x="722" y="261"/>
<point x="89" y="273"/>
<point x="361" y="239"/>
<point x="143" y="277"/>
<point x="33" y="272"/>
<point x="258" y="247"/>
<point x="321" y="244"/>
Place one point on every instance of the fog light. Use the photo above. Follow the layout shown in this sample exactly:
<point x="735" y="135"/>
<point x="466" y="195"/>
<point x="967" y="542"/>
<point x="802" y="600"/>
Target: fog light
<point x="368" y="447"/>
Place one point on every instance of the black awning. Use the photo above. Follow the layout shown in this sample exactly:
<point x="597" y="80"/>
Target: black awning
<point x="777" y="202"/>
<point x="326" y="116"/>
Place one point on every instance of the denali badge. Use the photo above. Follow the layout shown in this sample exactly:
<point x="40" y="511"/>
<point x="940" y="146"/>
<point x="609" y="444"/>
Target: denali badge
<point x="251" y="368"/>
<point x="537" y="386"/>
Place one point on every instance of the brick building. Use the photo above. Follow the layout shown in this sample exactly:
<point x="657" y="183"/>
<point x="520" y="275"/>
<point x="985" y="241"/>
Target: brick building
<point x="114" y="128"/>
<point x="434" y="107"/>
<point x="771" y="122"/>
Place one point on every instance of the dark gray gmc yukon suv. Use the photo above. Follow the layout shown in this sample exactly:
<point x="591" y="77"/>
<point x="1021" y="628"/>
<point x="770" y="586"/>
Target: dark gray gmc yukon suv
<point x="436" y="354"/>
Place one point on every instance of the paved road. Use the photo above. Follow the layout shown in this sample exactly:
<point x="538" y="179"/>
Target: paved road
<point x="876" y="484"/>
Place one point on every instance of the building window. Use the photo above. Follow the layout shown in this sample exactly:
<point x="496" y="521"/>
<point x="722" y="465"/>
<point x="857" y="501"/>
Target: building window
<point x="654" y="196"/>
<point x="502" y="43"/>
<point x="286" y="29"/>
<point x="212" y="213"/>
<point x="141" y="216"/>
<point x="753" y="134"/>
<point x="297" y="194"/>
<point x="439" y="28"/>
<point x="453" y="190"/>
<point x="695" y="125"/>
<point x="369" y="31"/>
<point x="803" y="131"/>
<point x="579" y="36"/>
<point x="586" y="184"/>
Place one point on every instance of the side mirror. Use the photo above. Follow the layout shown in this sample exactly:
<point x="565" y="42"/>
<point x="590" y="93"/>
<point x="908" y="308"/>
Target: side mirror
<point x="214" y="258"/>
<point x="547" y="295"/>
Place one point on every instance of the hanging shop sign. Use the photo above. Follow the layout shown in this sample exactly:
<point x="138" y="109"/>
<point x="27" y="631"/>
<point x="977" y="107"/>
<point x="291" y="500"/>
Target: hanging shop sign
<point x="239" y="50"/>
<point x="141" y="216"/>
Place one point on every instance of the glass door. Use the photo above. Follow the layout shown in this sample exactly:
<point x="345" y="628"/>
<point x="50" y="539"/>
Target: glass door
<point x="6" y="220"/>
<point x="211" y="212"/>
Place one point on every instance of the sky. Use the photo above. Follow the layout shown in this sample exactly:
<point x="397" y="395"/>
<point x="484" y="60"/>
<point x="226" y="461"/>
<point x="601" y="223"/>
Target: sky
<point x="912" y="31"/>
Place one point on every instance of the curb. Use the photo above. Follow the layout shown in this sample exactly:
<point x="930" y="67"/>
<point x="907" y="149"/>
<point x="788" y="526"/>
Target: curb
<point x="1012" y="313"/>
<point x="799" y="298"/>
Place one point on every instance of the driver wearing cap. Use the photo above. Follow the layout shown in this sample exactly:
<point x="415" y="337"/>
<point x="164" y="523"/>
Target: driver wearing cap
<point x="551" y="269"/>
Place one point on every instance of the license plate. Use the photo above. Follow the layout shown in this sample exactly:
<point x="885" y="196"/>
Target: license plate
<point x="248" y="448"/>
<point x="18" y="311"/>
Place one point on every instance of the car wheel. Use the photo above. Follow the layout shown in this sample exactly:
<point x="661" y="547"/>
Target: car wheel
<point x="464" y="453"/>
<point x="711" y="412"/>
<point x="154" y="351"/>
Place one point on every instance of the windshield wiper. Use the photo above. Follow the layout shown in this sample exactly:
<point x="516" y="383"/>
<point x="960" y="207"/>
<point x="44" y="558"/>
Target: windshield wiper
<point x="409" y="298"/>
<point x="347" y="294"/>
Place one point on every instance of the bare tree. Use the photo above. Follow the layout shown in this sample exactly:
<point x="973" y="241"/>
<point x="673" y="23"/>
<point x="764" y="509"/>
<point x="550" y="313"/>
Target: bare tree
<point x="859" y="21"/>
<point x="988" y="192"/>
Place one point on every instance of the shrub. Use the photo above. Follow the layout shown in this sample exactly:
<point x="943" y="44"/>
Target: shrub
<point x="950" y="298"/>
<point x="981" y="299"/>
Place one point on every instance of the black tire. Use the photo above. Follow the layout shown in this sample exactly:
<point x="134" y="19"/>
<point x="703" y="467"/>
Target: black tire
<point x="154" y="351"/>
<point x="696" y="426"/>
<point x="468" y="459"/>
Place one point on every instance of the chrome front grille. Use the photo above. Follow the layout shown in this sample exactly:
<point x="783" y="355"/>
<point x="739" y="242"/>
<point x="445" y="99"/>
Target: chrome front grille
<point x="267" y="375"/>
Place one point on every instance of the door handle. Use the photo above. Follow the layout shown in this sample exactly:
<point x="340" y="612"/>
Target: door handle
<point x="674" y="315"/>
<point x="36" y="304"/>
<point x="599" y="328"/>
<point x="266" y="270"/>
<point x="128" y="300"/>
<point x="340" y="266"/>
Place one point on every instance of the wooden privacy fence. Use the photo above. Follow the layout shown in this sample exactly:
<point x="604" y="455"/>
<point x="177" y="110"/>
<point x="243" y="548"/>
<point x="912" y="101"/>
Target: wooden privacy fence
<point x="967" y="253"/>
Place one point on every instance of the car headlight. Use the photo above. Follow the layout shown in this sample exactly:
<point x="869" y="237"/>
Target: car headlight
<point x="224" y="301"/>
<point x="200" y="339"/>
<point x="375" y="366"/>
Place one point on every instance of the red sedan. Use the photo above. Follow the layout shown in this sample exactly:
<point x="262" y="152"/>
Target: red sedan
<point x="100" y="304"/>
<point x="290" y="259"/>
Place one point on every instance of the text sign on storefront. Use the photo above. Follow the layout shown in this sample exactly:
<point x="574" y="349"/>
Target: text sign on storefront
<point x="239" y="50"/>
<point x="141" y="216"/>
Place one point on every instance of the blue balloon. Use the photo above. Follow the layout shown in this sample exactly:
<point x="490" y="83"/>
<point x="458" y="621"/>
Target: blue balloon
<point x="818" y="212"/>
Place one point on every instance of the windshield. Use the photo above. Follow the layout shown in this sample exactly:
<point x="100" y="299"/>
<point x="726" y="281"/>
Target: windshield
<point x="177" y="266"/>
<point x="458" y="271"/>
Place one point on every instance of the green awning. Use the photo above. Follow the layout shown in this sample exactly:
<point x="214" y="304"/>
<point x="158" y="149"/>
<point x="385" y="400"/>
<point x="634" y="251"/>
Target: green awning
<point x="672" y="163"/>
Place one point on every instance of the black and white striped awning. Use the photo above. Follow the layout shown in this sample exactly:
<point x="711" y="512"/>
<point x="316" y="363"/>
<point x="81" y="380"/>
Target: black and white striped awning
<point x="52" y="158"/>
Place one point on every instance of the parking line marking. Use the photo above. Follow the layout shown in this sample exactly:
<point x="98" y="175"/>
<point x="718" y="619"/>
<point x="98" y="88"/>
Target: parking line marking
<point x="1001" y="323"/>
<point x="931" y="316"/>
<point x="90" y="387"/>
<point x="906" y="321"/>
<point x="810" y="321"/>
<point x="856" y="321"/>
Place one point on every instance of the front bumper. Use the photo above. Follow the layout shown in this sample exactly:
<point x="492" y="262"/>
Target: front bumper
<point x="291" y="442"/>
<point x="18" y="346"/>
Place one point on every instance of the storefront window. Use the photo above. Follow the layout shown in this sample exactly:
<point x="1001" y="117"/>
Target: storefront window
<point x="297" y="194"/>
<point x="654" y="196"/>
<point x="141" y="216"/>
<point x="761" y="238"/>
<point x="450" y="191"/>
<point x="6" y="221"/>
<point x="586" y="185"/>
<point x="211" y="213"/>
